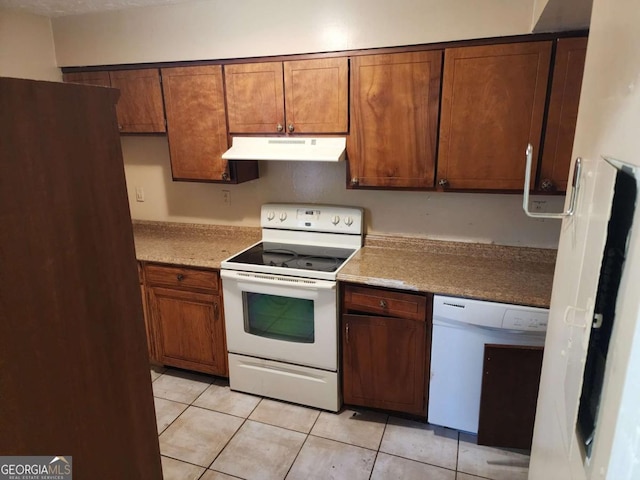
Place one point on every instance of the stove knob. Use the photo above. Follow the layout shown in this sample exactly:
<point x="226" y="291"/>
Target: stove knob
<point x="348" y="221"/>
<point x="335" y="219"/>
<point x="283" y="216"/>
<point x="271" y="215"/>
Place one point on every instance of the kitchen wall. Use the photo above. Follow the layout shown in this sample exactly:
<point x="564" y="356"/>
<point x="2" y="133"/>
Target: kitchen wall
<point x="222" y="29"/>
<point x="482" y="218"/>
<point x="26" y="47"/>
<point x="553" y="15"/>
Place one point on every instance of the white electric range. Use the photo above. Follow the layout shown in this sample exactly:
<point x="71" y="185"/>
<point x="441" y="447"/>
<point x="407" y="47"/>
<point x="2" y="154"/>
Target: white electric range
<point x="281" y="305"/>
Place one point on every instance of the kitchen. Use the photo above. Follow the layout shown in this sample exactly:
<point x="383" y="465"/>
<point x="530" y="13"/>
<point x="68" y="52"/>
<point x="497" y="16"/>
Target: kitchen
<point x="480" y="217"/>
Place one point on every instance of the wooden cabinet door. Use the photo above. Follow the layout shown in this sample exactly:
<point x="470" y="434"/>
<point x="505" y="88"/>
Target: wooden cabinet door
<point x="493" y="100"/>
<point x="510" y="381"/>
<point x="147" y="321"/>
<point x="255" y="97"/>
<point x="140" y="108"/>
<point x="189" y="329"/>
<point x="562" y="114"/>
<point x="384" y="363"/>
<point x="196" y="122"/>
<point x="394" y="119"/>
<point x="316" y="95"/>
<point x="88" y="78"/>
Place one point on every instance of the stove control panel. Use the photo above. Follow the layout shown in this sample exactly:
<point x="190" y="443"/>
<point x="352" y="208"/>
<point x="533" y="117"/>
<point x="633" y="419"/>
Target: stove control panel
<point x="313" y="218"/>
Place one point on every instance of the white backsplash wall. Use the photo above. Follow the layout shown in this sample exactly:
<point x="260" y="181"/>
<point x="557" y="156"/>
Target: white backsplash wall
<point x="470" y="217"/>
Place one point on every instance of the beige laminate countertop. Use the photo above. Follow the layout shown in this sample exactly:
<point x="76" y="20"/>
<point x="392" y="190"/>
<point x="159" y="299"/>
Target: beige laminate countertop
<point x="516" y="275"/>
<point x="188" y="244"/>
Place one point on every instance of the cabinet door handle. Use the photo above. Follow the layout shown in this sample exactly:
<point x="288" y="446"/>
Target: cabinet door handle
<point x="347" y="333"/>
<point x="383" y="304"/>
<point x="546" y="185"/>
<point x="180" y="277"/>
<point x="279" y="127"/>
<point x="216" y="311"/>
<point x="291" y="128"/>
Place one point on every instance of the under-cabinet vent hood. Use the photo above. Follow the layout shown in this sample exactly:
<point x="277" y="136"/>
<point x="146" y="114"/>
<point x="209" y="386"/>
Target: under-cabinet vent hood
<point x="297" y="149"/>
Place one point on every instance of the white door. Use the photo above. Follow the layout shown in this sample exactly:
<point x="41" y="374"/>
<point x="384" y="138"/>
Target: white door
<point x="608" y="124"/>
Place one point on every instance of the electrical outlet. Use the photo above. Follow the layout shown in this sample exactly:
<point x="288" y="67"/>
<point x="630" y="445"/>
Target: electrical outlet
<point x="139" y="194"/>
<point x="226" y="198"/>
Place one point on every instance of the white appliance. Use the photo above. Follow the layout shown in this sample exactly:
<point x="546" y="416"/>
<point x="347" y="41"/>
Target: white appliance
<point x="461" y="328"/>
<point x="306" y="149"/>
<point x="281" y="306"/>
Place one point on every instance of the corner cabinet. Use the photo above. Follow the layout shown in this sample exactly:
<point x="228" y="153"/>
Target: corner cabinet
<point x="139" y="108"/>
<point x="562" y="114"/>
<point x="493" y="103"/>
<point x="304" y="96"/>
<point x="385" y="349"/>
<point x="197" y="126"/>
<point x="394" y="120"/>
<point x="185" y="312"/>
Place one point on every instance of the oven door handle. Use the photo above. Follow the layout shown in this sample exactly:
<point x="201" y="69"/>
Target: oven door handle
<point x="278" y="280"/>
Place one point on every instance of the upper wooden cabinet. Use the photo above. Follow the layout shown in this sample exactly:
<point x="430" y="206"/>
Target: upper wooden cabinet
<point x="139" y="108"/>
<point x="394" y="119"/>
<point x="88" y="78"/>
<point x="493" y="102"/>
<point x="562" y="114"/>
<point x="305" y="96"/>
<point x="196" y="122"/>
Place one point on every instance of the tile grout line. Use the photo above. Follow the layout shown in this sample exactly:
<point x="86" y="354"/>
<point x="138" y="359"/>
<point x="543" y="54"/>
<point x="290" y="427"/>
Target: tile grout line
<point x="297" y="455"/>
<point x="375" y="459"/>
<point x="215" y="381"/>
<point x="230" y="438"/>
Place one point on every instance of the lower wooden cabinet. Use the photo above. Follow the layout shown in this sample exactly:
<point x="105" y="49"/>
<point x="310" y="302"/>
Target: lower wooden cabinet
<point x="385" y="355"/>
<point x="510" y="381"/>
<point x="147" y="321"/>
<point x="186" y="319"/>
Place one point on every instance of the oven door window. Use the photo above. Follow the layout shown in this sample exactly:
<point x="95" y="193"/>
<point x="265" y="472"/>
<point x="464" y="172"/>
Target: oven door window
<point x="281" y="318"/>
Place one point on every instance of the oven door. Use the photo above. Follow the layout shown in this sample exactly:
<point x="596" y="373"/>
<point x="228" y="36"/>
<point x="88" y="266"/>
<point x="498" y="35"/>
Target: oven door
<point x="281" y="318"/>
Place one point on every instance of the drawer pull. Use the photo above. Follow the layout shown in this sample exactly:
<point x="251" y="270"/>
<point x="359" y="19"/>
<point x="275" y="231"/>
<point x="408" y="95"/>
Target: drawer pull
<point x="180" y="277"/>
<point x="383" y="304"/>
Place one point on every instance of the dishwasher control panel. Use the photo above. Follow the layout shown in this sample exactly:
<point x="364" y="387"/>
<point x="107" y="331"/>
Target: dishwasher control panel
<point x="525" y="319"/>
<point x="505" y="316"/>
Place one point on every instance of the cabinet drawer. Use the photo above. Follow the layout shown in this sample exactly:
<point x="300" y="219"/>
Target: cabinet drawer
<point x="179" y="277"/>
<point x="383" y="302"/>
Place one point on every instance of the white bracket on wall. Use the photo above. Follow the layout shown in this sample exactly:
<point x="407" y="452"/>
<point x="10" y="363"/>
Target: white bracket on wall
<point x="575" y="185"/>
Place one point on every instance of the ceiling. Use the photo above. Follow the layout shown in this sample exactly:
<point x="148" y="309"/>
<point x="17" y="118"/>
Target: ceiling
<point x="60" y="8"/>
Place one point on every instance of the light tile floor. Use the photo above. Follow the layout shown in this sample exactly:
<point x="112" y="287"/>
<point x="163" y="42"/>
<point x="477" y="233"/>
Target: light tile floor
<point x="208" y="432"/>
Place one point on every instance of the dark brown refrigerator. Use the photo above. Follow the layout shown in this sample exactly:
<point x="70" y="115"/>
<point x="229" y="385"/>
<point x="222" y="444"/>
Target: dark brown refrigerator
<point x="74" y="371"/>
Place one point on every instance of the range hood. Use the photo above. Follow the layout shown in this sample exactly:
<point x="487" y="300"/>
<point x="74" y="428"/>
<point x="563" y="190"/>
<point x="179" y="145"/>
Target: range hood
<point x="297" y="149"/>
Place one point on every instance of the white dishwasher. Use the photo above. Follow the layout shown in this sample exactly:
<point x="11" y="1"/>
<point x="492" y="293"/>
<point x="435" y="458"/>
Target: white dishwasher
<point x="461" y="328"/>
